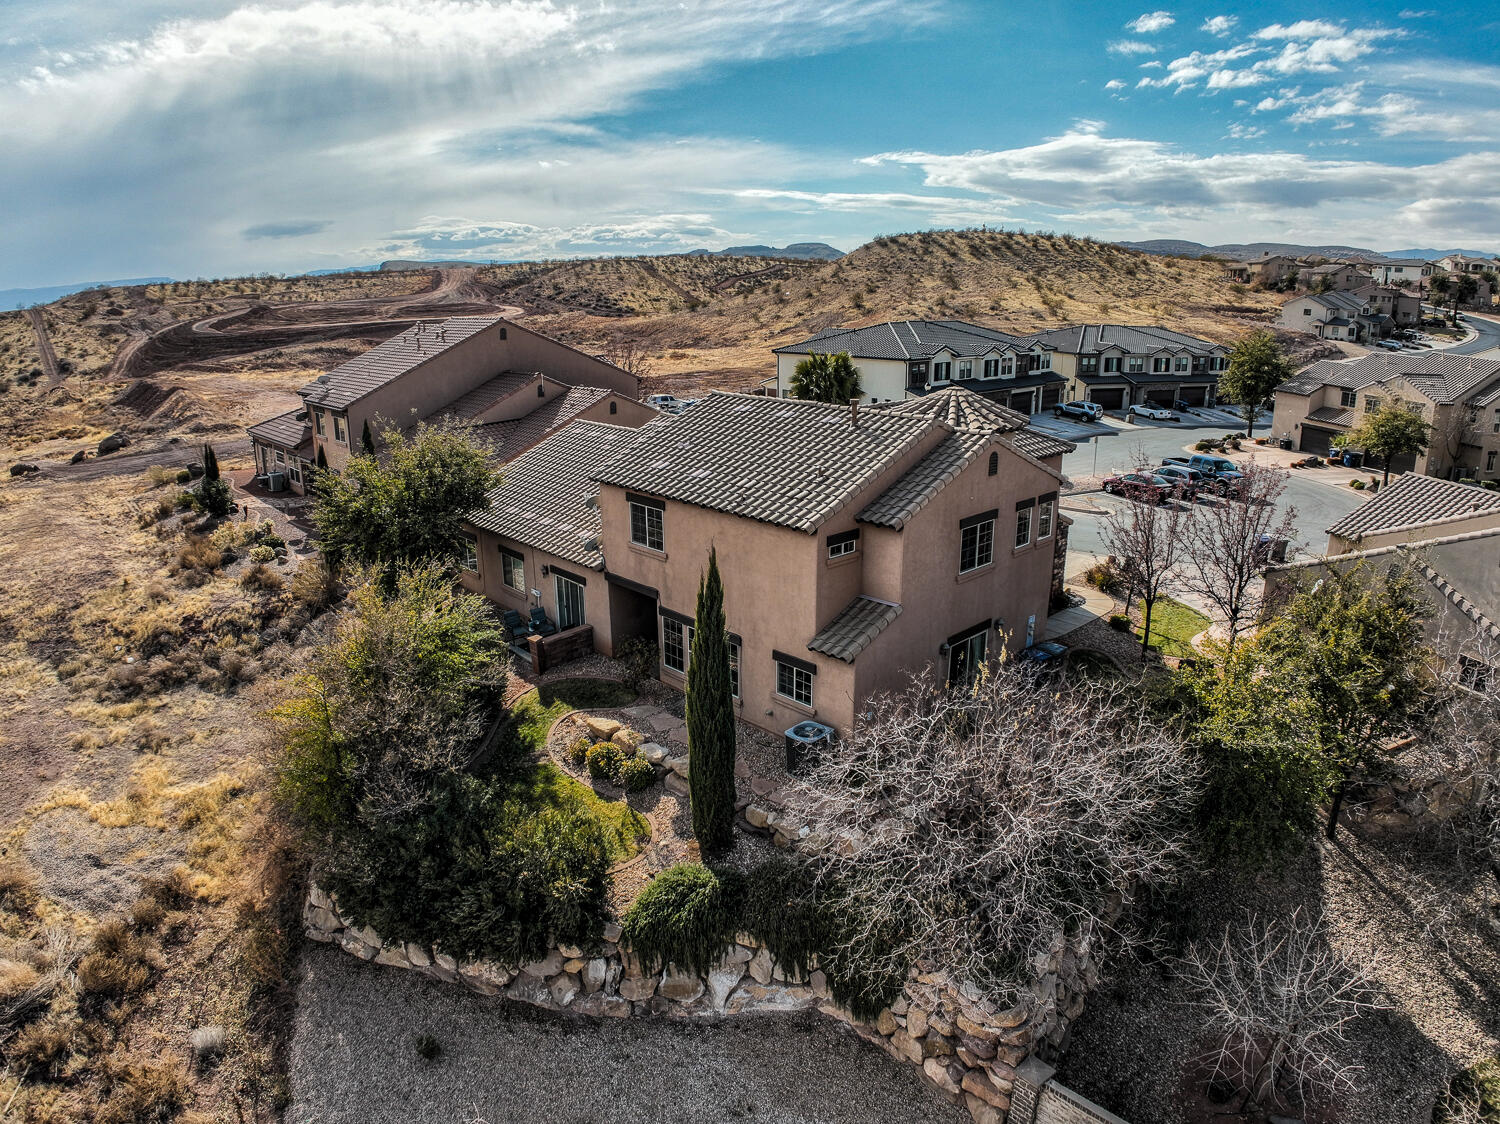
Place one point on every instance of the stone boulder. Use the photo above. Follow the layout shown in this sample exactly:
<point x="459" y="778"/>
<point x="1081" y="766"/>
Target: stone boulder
<point x="656" y="754"/>
<point x="721" y="984"/>
<point x="600" y="729"/>
<point x="112" y="444"/>
<point x="627" y="739"/>
<point x="79" y="457"/>
<point x="683" y="987"/>
<point x="24" y="468"/>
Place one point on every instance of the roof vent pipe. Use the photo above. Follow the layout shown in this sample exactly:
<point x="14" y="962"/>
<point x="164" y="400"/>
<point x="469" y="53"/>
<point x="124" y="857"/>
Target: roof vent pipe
<point x="854" y="412"/>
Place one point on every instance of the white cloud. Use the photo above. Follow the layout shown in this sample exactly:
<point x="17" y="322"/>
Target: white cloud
<point x="1150" y="23"/>
<point x="1392" y="114"/>
<point x="1219" y="25"/>
<point x="1302" y="29"/>
<point x="1413" y="14"/>
<point x="1083" y="177"/>
<point x="1114" y="84"/>
<point x="1131" y="47"/>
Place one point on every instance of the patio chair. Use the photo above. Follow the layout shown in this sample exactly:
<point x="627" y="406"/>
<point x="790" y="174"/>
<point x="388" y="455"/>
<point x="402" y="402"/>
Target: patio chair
<point x="515" y="625"/>
<point x="539" y="622"/>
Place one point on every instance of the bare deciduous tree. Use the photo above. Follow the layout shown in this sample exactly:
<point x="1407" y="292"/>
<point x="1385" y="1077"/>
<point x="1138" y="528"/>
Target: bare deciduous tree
<point x="1149" y="541"/>
<point x="630" y="356"/>
<point x="974" y="825"/>
<point x="1229" y="542"/>
<point x="1279" y="999"/>
<point x="1463" y="736"/>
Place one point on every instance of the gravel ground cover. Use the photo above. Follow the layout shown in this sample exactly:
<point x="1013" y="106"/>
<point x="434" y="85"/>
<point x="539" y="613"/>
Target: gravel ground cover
<point x="1432" y="932"/>
<point x="354" y="1059"/>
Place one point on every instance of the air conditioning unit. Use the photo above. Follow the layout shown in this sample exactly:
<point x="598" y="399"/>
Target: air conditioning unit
<point x="804" y="743"/>
<point x="276" y="481"/>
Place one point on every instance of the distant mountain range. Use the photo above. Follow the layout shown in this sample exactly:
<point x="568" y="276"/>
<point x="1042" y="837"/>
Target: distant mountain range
<point x="25" y="298"/>
<point x="1249" y="251"/>
<point x="809" y="251"/>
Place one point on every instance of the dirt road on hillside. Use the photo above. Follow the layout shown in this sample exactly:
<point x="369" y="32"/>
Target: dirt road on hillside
<point x="44" y="346"/>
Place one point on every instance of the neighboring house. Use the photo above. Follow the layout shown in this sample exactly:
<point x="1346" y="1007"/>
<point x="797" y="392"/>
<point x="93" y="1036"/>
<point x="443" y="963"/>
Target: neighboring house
<point x="1458" y="395"/>
<point x="1402" y="306"/>
<point x="511" y="383"/>
<point x="1402" y="272"/>
<point x="1457" y="561"/>
<point x="857" y="544"/>
<point x="1272" y="269"/>
<point x="1339" y="276"/>
<point x="1334" y="316"/>
<point x="906" y="358"/>
<point x="1119" y="365"/>
<point x="1415" y="507"/>
<point x="1459" y="263"/>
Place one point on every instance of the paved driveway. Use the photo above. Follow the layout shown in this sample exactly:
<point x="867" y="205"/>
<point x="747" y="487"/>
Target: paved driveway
<point x="1318" y="502"/>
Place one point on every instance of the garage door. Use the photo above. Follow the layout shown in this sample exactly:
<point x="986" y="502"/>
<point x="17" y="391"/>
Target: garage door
<point x="1194" y="395"/>
<point x="1022" y="400"/>
<point x="1051" y="396"/>
<point x="1316" y="441"/>
<point x="1162" y="396"/>
<point x="1406" y="462"/>
<point x="1108" y="398"/>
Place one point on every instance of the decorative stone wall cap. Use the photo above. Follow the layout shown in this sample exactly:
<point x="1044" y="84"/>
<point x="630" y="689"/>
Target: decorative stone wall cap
<point x="1034" y="1072"/>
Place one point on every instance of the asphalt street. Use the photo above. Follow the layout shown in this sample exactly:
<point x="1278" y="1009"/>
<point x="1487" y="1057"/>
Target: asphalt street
<point x="1318" y="504"/>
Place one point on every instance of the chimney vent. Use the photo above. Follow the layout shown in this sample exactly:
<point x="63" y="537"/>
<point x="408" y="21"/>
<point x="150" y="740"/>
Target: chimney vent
<point x="854" y="412"/>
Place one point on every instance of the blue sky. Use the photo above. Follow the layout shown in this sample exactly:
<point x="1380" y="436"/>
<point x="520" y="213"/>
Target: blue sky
<point x="216" y="137"/>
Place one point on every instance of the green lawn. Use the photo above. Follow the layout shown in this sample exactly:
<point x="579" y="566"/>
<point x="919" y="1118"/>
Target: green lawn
<point x="1173" y="626"/>
<point x="540" y="784"/>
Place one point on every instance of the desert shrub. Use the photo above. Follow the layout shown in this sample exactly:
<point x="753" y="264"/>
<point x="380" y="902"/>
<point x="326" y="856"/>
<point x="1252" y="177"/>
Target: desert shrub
<point x="687" y="916"/>
<point x="146" y="914"/>
<point x="636" y="773"/>
<point x="604" y="760"/>
<point x="183" y="476"/>
<point x="199" y="553"/>
<point x="42" y="1044"/>
<point x="142" y="1093"/>
<point x="18" y="892"/>
<point x="1106" y="578"/>
<point x="781" y="910"/>
<point x="1203" y="446"/>
<point x="315" y="585"/>
<point x="206" y="1041"/>
<point x="262" y="554"/>
<point x="1357" y="485"/>
<point x="428" y="1048"/>
<point x="268" y="538"/>
<point x="213" y="498"/>
<point x="1119" y="622"/>
<point x="119" y="962"/>
<point x="638" y="662"/>
<point x="261" y="577"/>
<point x="159" y="475"/>
<point x="578" y="750"/>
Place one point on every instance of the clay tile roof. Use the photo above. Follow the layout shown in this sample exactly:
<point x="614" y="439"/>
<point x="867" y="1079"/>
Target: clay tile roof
<point x="1334" y="415"/>
<point x="509" y="439"/>
<point x="1414" y="501"/>
<point x="907" y="339"/>
<point x="286" y="431"/>
<point x="857" y="624"/>
<point x="908" y="495"/>
<point x="398" y="355"/>
<point x="777" y="460"/>
<point x="961" y="408"/>
<point x="545" y="498"/>
<point x="485" y="395"/>
<point x="1441" y="376"/>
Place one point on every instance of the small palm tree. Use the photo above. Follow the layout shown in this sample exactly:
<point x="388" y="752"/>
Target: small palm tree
<point x="827" y="378"/>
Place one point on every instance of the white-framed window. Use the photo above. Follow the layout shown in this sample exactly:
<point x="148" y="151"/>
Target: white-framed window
<point x="1160" y="365"/>
<point x="1044" y="516"/>
<point x="1111" y="364"/>
<point x="280" y="457"/>
<point x="966" y="657"/>
<point x="1181" y="363"/>
<point x="1372" y="403"/>
<point x="646" y="527"/>
<point x="340" y="428"/>
<point x="296" y="470"/>
<point x="976" y="545"/>
<point x="966" y="368"/>
<point x="1007" y="365"/>
<point x="1136" y="365"/>
<point x="1043" y="361"/>
<point x="676" y="644"/>
<point x="793" y="682"/>
<point x="570" y="610"/>
<point x="991" y="368"/>
<point x="942" y="372"/>
<point x="1023" y="524"/>
<point x="318" y="421"/>
<point x="1489" y="461"/>
<point x="513" y="570"/>
<point x="1348" y="399"/>
<point x="734" y="668"/>
<point x="842" y="544"/>
<point x="471" y="554"/>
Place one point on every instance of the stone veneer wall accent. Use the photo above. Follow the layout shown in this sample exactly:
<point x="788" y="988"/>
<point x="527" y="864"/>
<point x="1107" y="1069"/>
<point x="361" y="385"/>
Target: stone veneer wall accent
<point x="964" y="1045"/>
<point x="560" y="647"/>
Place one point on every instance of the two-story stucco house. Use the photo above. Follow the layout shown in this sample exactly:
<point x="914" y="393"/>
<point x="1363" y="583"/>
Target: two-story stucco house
<point x="1403" y="306"/>
<point x="857" y="544"/>
<point x="906" y="358"/>
<point x="1405" y="272"/>
<point x="1119" y="365"/>
<point x="1462" y="263"/>
<point x="1338" y="275"/>
<point x="512" y="384"/>
<point x="1458" y="395"/>
<point x="1334" y="316"/>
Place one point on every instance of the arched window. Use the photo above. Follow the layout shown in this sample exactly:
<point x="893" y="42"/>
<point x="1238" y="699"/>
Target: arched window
<point x="614" y="407"/>
<point x="994" y="463"/>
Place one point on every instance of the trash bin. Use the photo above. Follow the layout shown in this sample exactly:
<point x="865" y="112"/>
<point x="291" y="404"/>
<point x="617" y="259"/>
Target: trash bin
<point x="1353" y="459"/>
<point x="1286" y="443"/>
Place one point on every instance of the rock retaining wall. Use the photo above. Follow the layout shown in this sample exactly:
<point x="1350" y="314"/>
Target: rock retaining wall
<point x="966" y="1047"/>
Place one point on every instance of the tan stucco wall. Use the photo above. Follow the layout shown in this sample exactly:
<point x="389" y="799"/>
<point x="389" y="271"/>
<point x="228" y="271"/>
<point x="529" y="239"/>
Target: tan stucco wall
<point x="626" y="412"/>
<point x="489" y="582"/>
<point x="1484" y="522"/>
<point x="883" y="379"/>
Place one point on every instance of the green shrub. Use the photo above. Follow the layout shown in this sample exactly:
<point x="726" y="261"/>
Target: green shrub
<point x="782" y="911"/>
<point x="687" y="916"/>
<point x="1203" y="446"/>
<point x="636" y="773"/>
<point x="262" y="554"/>
<point x="604" y="760"/>
<point x="1119" y="622"/>
<point x="1106" y="578"/>
<point x="578" y="750"/>
<point x="1357" y="485"/>
<point x="1490" y="485"/>
<point x="214" y="498"/>
<point x="183" y="476"/>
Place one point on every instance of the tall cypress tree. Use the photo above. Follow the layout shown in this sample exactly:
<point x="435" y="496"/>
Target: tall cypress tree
<point x="210" y="463"/>
<point x="710" y="719"/>
<point x="366" y="440"/>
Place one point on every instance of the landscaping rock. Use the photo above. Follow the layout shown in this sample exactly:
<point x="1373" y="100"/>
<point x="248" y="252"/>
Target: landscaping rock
<point x="349" y="941"/>
<point x="79" y="457"/>
<point x="570" y="951"/>
<point x="22" y="468"/>
<point x="977" y="1083"/>
<point x="615" y="1007"/>
<point x="937" y="1073"/>
<point x="760" y="967"/>
<point x="594" y="974"/>
<point x="627" y="739"/>
<point x="113" y="444"/>
<point x="886" y="1023"/>
<point x="677" y="785"/>
<point x="656" y="754"/>
<point x="612" y="931"/>
<point x="485" y="977"/>
<point x="530" y="989"/>
<point x="755" y="815"/>
<point x="393" y="957"/>
<point x="678" y="765"/>
<point x="601" y="729"/>
<point x="564" y="988"/>
<point x="683" y="987"/>
<point x="721" y="983"/>
<point x="417" y="956"/>
<point x="549" y="965"/>
<point x="916" y="1022"/>
<point x="638" y="988"/>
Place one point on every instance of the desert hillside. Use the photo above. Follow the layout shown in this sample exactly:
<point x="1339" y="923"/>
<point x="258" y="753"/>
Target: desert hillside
<point x="201" y="356"/>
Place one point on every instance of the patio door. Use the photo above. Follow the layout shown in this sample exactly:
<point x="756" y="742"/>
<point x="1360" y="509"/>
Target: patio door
<point x="966" y="657"/>
<point x="569" y="603"/>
